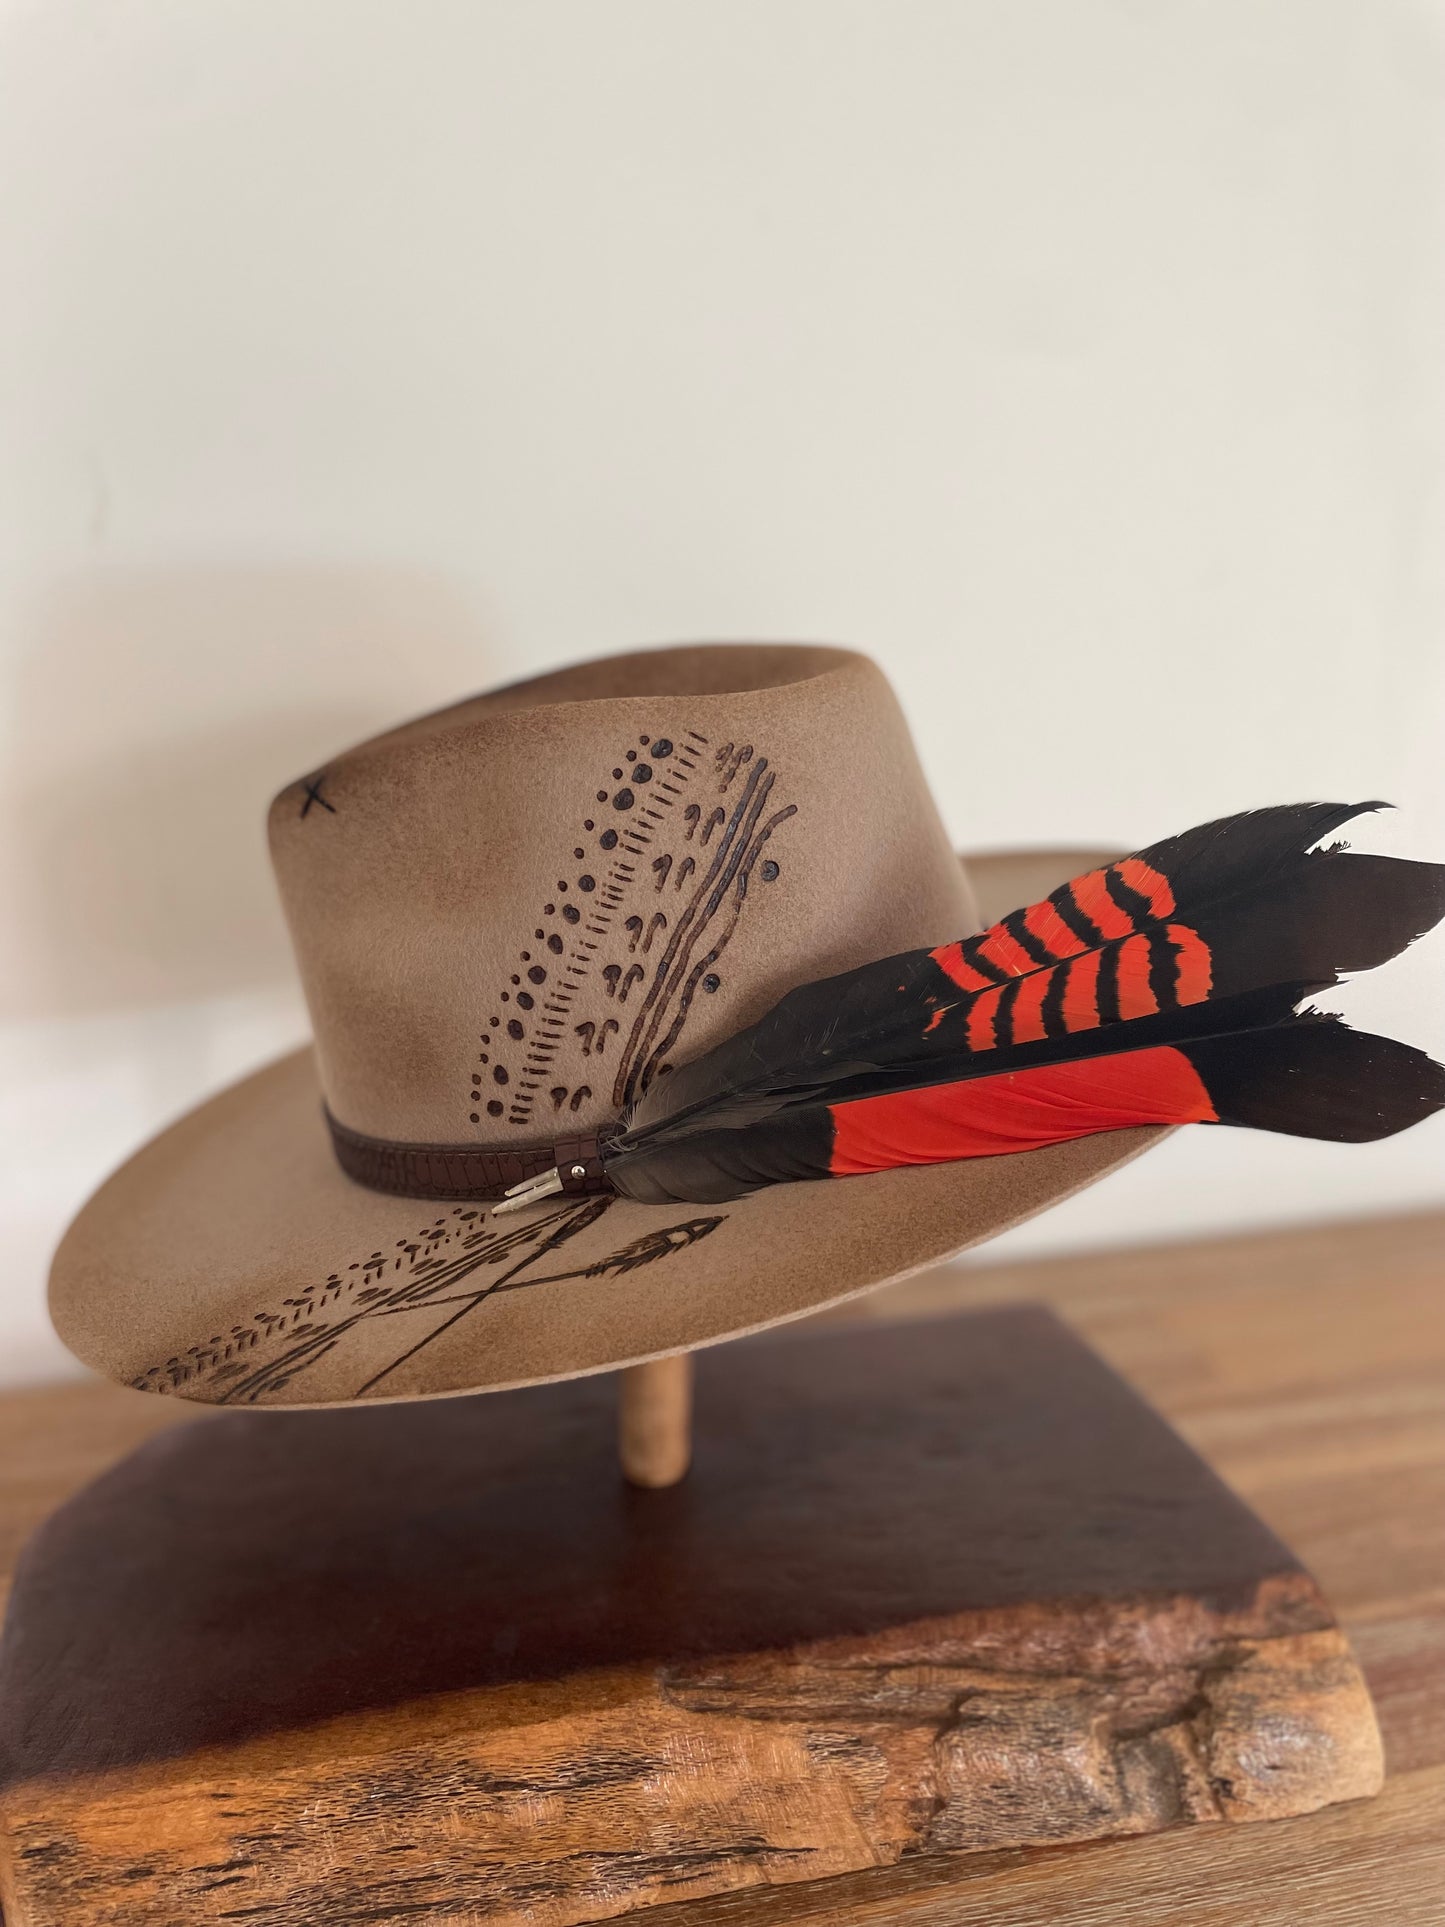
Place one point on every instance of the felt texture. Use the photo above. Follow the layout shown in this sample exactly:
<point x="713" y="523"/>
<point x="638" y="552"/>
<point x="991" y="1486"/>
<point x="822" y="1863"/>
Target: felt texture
<point x="509" y="917"/>
<point x="418" y="886"/>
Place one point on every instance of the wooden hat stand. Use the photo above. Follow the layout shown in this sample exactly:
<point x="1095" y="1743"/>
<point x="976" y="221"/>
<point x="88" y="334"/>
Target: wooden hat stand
<point x="927" y="1589"/>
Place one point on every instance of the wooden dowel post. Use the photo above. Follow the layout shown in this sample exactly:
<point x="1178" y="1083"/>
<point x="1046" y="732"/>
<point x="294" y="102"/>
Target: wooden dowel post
<point x="654" y="1421"/>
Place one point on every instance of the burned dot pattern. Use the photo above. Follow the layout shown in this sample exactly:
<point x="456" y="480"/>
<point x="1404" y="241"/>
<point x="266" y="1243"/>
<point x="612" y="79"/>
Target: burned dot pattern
<point x="622" y="961"/>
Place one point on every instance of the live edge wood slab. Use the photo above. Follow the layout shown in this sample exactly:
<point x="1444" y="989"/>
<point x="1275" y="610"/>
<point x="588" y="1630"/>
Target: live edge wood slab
<point x="929" y="1588"/>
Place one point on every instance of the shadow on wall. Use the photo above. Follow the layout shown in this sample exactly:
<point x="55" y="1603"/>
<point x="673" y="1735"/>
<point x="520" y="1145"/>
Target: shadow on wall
<point x="155" y="716"/>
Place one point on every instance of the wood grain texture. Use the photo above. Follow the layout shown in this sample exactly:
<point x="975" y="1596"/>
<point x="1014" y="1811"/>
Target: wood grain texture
<point x="1311" y="1367"/>
<point x="933" y="1587"/>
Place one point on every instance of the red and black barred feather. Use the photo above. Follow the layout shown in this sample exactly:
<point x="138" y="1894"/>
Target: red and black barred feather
<point x="1159" y="989"/>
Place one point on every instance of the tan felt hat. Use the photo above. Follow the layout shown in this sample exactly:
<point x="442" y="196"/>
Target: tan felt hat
<point x="509" y="917"/>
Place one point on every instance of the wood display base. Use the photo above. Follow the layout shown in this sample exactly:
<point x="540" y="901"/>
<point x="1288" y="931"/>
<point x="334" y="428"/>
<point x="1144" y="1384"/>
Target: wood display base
<point x="928" y="1588"/>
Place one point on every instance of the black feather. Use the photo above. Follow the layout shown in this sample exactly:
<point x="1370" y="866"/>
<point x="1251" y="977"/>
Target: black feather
<point x="1315" y="1077"/>
<point x="1274" y="918"/>
<point x="1215" y="859"/>
<point x="846" y="1083"/>
<point x="1271" y="915"/>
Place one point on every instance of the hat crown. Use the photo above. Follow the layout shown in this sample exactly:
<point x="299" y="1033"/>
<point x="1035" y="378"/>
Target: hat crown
<point x="513" y="914"/>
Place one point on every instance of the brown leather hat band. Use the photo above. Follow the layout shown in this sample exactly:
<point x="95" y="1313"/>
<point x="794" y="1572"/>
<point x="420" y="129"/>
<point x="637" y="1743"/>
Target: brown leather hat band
<point x="461" y="1171"/>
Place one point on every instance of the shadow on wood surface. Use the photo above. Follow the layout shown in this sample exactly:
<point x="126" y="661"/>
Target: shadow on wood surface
<point x="257" y="1571"/>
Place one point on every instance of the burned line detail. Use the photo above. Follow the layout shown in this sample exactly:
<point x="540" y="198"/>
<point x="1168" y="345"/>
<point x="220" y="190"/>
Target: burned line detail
<point x="438" y="1277"/>
<point x="665" y="852"/>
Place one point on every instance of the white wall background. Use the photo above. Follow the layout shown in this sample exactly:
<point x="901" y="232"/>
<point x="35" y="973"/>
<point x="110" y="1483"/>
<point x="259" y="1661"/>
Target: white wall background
<point x="1080" y="358"/>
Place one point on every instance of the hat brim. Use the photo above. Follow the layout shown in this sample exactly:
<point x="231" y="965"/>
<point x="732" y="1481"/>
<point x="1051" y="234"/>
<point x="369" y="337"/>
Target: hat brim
<point x="231" y="1262"/>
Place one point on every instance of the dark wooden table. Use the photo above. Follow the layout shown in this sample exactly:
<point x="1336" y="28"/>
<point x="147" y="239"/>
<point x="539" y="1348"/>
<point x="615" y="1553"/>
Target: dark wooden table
<point x="1309" y="1368"/>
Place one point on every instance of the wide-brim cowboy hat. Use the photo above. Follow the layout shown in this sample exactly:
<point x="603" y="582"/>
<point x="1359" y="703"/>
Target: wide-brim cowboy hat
<point x="508" y="916"/>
